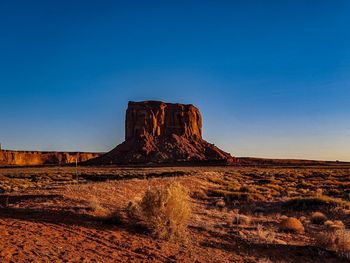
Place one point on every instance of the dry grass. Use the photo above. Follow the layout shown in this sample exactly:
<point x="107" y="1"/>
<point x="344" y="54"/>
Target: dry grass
<point x="250" y="199"/>
<point x="165" y="210"/>
<point x="95" y="205"/>
<point x="265" y="236"/>
<point x="301" y="203"/>
<point x="231" y="196"/>
<point x="338" y="241"/>
<point x="239" y="219"/>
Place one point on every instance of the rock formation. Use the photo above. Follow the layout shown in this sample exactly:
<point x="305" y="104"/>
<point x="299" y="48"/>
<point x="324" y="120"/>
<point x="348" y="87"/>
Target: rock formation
<point x="160" y="133"/>
<point x="27" y="158"/>
<point x="158" y="119"/>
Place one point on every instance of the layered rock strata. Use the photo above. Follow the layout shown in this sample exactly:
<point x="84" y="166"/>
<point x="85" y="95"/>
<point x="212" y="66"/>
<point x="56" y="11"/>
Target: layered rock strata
<point x="28" y="158"/>
<point x="159" y="133"/>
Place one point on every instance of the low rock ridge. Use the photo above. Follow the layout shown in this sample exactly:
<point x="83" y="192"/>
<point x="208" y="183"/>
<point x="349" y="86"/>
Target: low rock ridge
<point x="29" y="158"/>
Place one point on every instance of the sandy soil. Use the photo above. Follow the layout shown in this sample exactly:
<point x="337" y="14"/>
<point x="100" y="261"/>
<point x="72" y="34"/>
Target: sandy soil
<point x="72" y="223"/>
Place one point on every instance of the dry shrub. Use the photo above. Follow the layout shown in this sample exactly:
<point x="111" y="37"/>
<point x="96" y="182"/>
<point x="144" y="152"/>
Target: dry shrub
<point x="334" y="225"/>
<point x="165" y="210"/>
<point x="96" y="207"/>
<point x="218" y="181"/>
<point x="302" y="219"/>
<point x="318" y="218"/>
<point x="338" y="241"/>
<point x="220" y="203"/>
<point x="134" y="211"/>
<point x="94" y="204"/>
<point x="231" y="196"/>
<point x="239" y="219"/>
<point x="265" y="236"/>
<point x="283" y="217"/>
<point x="292" y="224"/>
<point x="301" y="203"/>
<point x="338" y="224"/>
<point x="328" y="223"/>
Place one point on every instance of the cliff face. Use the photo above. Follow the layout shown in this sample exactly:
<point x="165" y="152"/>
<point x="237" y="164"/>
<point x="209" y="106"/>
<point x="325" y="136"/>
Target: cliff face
<point x="22" y="158"/>
<point x="158" y="119"/>
<point x="158" y="132"/>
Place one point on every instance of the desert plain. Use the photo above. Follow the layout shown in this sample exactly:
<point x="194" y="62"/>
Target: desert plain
<point x="237" y="214"/>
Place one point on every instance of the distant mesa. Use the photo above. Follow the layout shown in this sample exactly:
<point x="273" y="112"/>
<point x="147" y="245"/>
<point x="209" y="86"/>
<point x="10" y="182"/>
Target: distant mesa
<point x="160" y="133"/>
<point x="30" y="158"/>
<point x="155" y="133"/>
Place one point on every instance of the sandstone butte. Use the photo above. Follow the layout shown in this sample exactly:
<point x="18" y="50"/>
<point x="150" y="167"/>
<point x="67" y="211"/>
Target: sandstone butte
<point x="28" y="158"/>
<point x="161" y="133"/>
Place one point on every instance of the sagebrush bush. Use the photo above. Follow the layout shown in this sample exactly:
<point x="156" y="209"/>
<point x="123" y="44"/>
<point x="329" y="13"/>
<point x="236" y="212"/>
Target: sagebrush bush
<point x="338" y="224"/>
<point x="302" y="219"/>
<point x="165" y="210"/>
<point x="133" y="211"/>
<point x="231" y="196"/>
<point x="318" y="218"/>
<point x="338" y="241"/>
<point x="292" y="224"/>
<point x="265" y="236"/>
<point x="283" y="217"/>
<point x="328" y="223"/>
<point x="220" y="203"/>
<point x="95" y="206"/>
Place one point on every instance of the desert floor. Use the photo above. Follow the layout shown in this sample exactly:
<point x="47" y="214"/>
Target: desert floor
<point x="64" y="214"/>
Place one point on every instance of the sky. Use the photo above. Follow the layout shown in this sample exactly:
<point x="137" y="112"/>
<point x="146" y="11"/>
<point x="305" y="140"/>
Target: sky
<point x="271" y="78"/>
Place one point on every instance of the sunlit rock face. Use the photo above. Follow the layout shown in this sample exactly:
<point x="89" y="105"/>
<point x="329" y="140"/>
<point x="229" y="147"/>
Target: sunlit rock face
<point x="160" y="133"/>
<point x="159" y="119"/>
<point x="27" y="158"/>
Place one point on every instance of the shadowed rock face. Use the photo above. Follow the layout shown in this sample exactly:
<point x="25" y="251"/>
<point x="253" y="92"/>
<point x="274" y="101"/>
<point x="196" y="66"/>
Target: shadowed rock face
<point x="158" y="119"/>
<point x="158" y="132"/>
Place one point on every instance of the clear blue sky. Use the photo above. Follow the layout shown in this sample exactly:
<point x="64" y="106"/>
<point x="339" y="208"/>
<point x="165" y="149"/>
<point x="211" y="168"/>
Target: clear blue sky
<point x="271" y="78"/>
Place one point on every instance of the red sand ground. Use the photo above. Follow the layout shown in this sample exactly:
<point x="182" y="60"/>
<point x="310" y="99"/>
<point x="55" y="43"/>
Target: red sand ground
<point x="60" y="225"/>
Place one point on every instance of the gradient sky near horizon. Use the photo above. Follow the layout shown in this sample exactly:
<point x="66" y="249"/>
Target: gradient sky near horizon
<point x="271" y="78"/>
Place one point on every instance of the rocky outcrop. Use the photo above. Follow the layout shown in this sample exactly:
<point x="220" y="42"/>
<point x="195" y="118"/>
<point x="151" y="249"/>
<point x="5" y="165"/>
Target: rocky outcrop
<point x="159" y="133"/>
<point x="158" y="119"/>
<point x="27" y="158"/>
